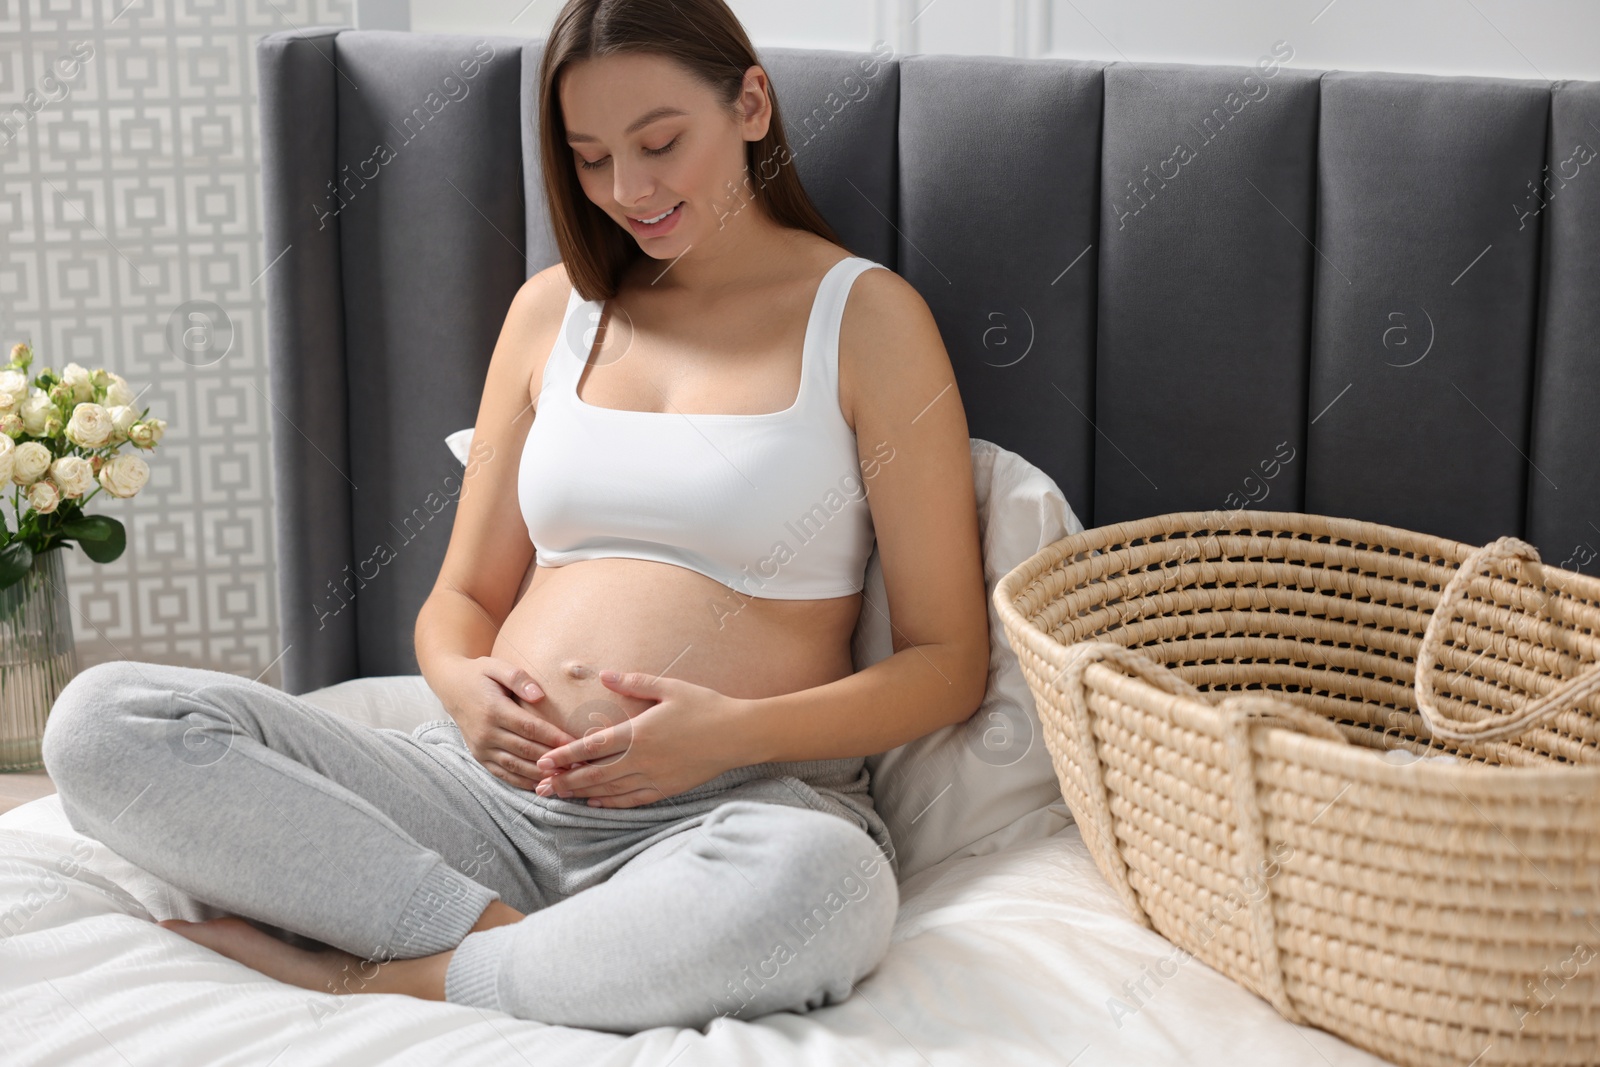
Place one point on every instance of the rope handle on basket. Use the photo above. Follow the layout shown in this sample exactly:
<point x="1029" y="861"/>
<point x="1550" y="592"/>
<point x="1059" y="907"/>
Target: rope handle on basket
<point x="1101" y="825"/>
<point x="1270" y="710"/>
<point x="1440" y="725"/>
<point x="1245" y="711"/>
<point x="1242" y="712"/>
<point x="1565" y="695"/>
<point x="1257" y="704"/>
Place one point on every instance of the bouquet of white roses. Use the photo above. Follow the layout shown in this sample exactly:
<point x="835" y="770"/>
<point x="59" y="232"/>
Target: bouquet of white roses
<point x="61" y="438"/>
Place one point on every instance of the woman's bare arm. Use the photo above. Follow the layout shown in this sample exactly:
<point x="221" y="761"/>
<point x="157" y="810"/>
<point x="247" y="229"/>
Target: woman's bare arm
<point x="489" y="554"/>
<point x="489" y="550"/>
<point x="901" y="391"/>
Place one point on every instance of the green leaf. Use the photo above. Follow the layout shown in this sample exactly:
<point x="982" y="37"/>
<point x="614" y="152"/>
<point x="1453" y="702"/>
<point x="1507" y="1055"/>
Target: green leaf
<point x="102" y="537"/>
<point x="15" y="559"/>
<point x="91" y="527"/>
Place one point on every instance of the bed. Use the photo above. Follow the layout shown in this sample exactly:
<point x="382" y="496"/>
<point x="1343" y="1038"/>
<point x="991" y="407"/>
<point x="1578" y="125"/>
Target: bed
<point x="1015" y="952"/>
<point x="1341" y="298"/>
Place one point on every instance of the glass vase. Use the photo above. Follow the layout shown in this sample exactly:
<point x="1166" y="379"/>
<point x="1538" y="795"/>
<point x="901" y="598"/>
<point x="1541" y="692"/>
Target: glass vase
<point x="38" y="657"/>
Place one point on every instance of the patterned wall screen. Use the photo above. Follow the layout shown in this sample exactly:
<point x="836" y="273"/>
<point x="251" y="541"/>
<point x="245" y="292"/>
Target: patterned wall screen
<point x="130" y="238"/>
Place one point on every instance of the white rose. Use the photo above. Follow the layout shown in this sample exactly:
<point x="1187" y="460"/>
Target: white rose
<point x="74" y="474"/>
<point x="124" y="475"/>
<point x="89" y="426"/>
<point x="8" y="457"/>
<point x="147" y="433"/>
<point x="11" y="424"/>
<point x="36" y="410"/>
<point x="44" y="497"/>
<point x="79" y="378"/>
<point x="29" y="462"/>
<point x="14" y="386"/>
<point x="118" y="391"/>
<point x="122" y="417"/>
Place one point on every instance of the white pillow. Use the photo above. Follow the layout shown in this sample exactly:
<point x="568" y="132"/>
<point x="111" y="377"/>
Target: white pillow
<point x="460" y="444"/>
<point x="388" y="702"/>
<point x="946" y="790"/>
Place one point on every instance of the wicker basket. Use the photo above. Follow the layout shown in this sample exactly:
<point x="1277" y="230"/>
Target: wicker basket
<point x="1347" y="765"/>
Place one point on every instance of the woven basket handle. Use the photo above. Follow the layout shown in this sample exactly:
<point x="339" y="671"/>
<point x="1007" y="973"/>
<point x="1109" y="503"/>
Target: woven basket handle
<point x="1440" y="725"/>
<point x="1255" y="705"/>
<point x="1241" y="713"/>
<point x="1252" y="705"/>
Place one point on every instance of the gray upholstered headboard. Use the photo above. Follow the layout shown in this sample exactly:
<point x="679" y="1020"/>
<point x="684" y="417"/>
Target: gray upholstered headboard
<point x="1170" y="287"/>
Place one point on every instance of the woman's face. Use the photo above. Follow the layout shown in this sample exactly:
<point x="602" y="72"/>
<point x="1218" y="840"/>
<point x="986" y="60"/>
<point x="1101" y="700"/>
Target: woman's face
<point x="647" y="137"/>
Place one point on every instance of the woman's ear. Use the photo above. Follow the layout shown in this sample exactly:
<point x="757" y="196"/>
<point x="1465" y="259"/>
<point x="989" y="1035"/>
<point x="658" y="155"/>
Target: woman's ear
<point x="755" y="104"/>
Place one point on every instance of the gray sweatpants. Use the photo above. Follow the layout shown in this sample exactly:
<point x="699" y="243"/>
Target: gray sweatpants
<point x="771" y="887"/>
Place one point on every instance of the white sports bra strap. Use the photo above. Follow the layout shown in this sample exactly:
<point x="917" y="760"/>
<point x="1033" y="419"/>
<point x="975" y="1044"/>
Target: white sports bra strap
<point x="830" y="311"/>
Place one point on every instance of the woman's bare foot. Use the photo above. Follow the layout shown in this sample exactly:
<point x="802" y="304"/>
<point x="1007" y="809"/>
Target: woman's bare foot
<point x="236" y="939"/>
<point x="330" y="970"/>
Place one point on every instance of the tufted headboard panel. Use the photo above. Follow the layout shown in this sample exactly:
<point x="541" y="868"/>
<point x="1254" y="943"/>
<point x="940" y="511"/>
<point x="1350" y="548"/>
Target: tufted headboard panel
<point x="1170" y="287"/>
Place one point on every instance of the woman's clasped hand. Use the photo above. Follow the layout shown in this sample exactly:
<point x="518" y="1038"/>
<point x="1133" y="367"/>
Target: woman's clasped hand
<point x="491" y="701"/>
<point x="687" y="737"/>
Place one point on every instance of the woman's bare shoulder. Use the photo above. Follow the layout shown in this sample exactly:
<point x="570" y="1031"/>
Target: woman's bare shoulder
<point x="535" y="318"/>
<point x="881" y="300"/>
<point x="889" y="343"/>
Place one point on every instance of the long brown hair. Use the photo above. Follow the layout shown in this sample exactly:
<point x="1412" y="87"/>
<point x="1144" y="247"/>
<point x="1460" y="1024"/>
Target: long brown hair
<point x="706" y="38"/>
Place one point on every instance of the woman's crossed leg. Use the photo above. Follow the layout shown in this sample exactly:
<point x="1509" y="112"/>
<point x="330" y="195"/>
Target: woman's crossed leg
<point x="756" y="907"/>
<point x="266" y="805"/>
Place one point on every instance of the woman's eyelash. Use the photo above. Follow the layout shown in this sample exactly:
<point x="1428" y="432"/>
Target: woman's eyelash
<point x="663" y="150"/>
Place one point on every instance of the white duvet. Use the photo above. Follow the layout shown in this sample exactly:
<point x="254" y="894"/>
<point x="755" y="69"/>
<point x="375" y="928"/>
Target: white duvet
<point x="1012" y="952"/>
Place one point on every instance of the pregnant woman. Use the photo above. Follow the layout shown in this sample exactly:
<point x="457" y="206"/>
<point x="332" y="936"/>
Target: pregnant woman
<point x="649" y="806"/>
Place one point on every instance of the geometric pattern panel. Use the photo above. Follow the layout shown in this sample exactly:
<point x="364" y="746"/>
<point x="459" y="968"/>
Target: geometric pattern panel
<point x="130" y="239"/>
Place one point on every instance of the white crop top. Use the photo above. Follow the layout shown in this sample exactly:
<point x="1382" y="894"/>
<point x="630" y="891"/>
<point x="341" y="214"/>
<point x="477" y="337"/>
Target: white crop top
<point x="771" y="505"/>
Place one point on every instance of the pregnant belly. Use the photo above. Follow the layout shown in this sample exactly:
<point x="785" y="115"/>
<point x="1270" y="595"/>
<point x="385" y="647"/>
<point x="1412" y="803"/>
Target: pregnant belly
<point x="659" y="619"/>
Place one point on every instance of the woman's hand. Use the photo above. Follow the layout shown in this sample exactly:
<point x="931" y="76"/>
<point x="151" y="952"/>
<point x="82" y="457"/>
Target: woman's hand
<point x="493" y="702"/>
<point x="688" y="737"/>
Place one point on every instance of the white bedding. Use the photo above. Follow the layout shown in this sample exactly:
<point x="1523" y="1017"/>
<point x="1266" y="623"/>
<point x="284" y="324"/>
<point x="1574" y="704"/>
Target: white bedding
<point x="1006" y="954"/>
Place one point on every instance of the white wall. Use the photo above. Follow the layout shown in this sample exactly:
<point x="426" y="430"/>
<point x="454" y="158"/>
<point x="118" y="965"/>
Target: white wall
<point x="1539" y="39"/>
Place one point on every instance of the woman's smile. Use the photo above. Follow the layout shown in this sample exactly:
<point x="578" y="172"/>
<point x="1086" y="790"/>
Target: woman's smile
<point x="663" y="225"/>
